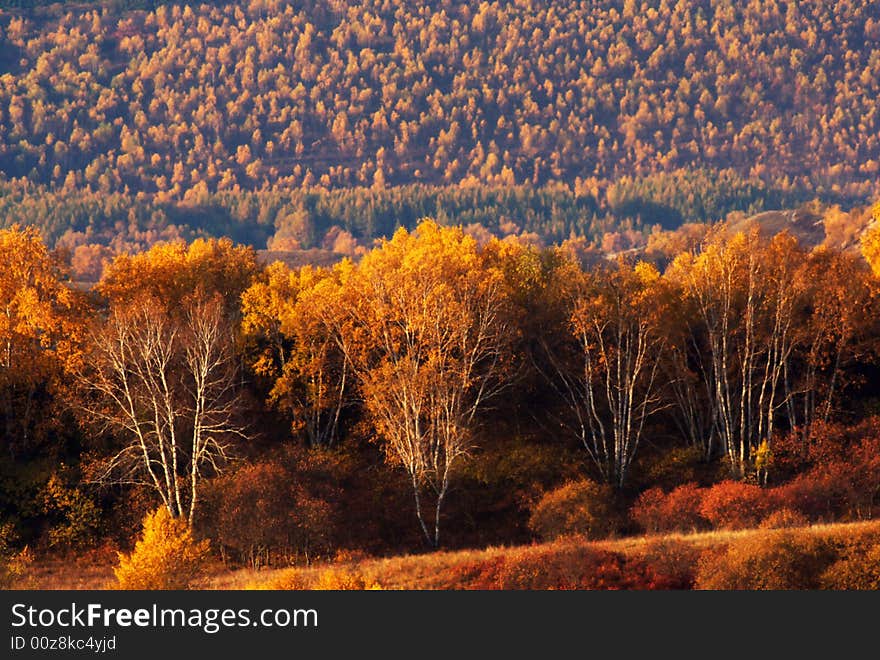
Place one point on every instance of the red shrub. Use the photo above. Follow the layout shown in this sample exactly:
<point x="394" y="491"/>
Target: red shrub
<point x="818" y="495"/>
<point x="735" y="505"/>
<point x="838" y="486"/>
<point x="648" y="510"/>
<point x="262" y="510"/>
<point x="479" y="575"/>
<point x="864" y="477"/>
<point x="790" y="455"/>
<point x="672" y="564"/>
<point x="566" y="569"/>
<point x="833" y="443"/>
<point x="682" y="508"/>
<point x="573" y="568"/>
<point x="679" y="510"/>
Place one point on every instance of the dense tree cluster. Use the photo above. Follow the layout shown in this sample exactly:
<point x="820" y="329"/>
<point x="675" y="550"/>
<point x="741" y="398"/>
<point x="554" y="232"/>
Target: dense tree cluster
<point x="439" y="387"/>
<point x="180" y="101"/>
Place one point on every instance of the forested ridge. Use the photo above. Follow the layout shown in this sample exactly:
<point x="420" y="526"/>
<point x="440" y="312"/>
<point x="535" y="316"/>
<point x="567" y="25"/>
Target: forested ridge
<point x="174" y="106"/>
<point x="206" y="97"/>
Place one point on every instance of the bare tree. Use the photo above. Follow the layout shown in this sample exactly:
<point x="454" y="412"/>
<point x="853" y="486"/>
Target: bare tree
<point x="165" y="385"/>
<point x="608" y="383"/>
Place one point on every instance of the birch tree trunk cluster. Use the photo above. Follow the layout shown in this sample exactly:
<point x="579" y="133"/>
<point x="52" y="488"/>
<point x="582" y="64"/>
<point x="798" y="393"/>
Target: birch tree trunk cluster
<point x="166" y="384"/>
<point x="609" y="379"/>
<point x="417" y="336"/>
<point x="742" y="339"/>
<point x="160" y="376"/>
<point x="766" y="328"/>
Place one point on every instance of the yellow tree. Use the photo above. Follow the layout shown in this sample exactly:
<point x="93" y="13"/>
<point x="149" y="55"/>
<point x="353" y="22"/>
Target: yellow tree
<point x="870" y="243"/>
<point x="173" y="271"/>
<point x="39" y="334"/>
<point x="286" y="315"/>
<point x="425" y="328"/>
<point x="842" y="301"/>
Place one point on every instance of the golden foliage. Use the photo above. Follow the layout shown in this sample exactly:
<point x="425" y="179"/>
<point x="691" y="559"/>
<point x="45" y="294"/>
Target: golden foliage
<point x="166" y="556"/>
<point x="284" y="314"/>
<point x="768" y="560"/>
<point x="225" y="97"/>
<point x="857" y="569"/>
<point x="423" y="321"/>
<point x="172" y="272"/>
<point x="579" y="507"/>
<point x="870" y="244"/>
<point x="331" y="578"/>
<point x="14" y="566"/>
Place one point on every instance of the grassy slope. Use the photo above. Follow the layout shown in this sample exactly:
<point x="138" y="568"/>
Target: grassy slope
<point x="435" y="570"/>
<point x="423" y="571"/>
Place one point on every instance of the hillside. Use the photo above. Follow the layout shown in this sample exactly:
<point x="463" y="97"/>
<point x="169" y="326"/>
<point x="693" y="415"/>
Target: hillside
<point x="184" y="100"/>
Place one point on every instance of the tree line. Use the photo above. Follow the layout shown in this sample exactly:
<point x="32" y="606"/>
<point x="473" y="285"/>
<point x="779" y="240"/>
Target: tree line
<point x="630" y="213"/>
<point x="413" y="391"/>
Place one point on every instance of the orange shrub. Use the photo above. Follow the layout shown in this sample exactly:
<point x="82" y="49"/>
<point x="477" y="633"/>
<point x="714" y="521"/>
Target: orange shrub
<point x="579" y="507"/>
<point x="683" y="508"/>
<point x="647" y="511"/>
<point x="784" y="518"/>
<point x="14" y="565"/>
<point x="479" y="575"/>
<point x="837" y="471"/>
<point x="838" y="486"/>
<point x="673" y="564"/>
<point x="858" y="570"/>
<point x="772" y="560"/>
<point x="342" y="579"/>
<point x="331" y="578"/>
<point x="576" y="568"/>
<point x="581" y="568"/>
<point x="167" y="556"/>
<point x="735" y="505"/>
<point x="567" y="568"/>
<point x="263" y="509"/>
<point x="864" y="477"/>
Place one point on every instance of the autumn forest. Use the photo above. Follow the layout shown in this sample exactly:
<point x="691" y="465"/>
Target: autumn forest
<point x="385" y="294"/>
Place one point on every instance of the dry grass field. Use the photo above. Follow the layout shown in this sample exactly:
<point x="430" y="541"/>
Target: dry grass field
<point x="548" y="565"/>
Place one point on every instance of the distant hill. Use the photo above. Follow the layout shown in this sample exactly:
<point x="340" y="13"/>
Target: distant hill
<point x="184" y="100"/>
<point x="807" y="227"/>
